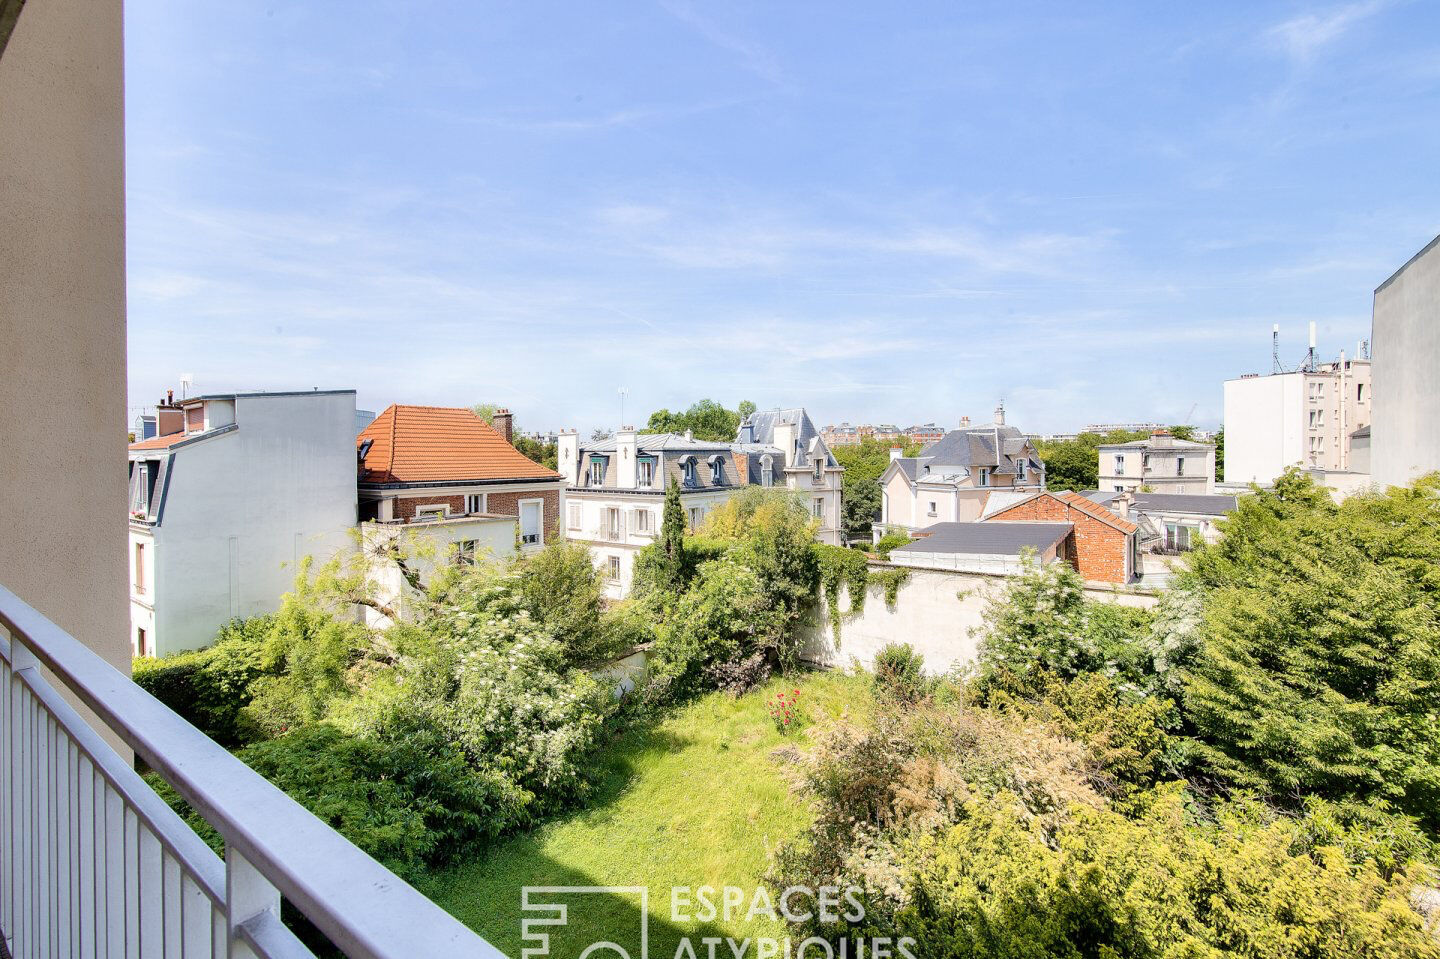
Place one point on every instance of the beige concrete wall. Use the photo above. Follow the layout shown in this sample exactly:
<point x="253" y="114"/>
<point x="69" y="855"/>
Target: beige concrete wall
<point x="936" y="612"/>
<point x="62" y="320"/>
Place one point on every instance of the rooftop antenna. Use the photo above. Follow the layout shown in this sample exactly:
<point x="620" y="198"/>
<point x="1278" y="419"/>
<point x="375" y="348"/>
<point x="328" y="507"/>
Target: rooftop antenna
<point x="1310" y="357"/>
<point x="624" y="391"/>
<point x="1275" y="366"/>
<point x="187" y="380"/>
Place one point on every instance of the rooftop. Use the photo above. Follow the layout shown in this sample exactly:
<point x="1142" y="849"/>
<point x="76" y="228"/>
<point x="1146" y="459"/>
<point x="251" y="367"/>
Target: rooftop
<point x="993" y="538"/>
<point x="428" y="444"/>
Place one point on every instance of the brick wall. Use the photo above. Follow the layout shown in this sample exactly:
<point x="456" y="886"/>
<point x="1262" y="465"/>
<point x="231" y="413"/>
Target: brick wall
<point x="1099" y="548"/>
<point x="499" y="501"/>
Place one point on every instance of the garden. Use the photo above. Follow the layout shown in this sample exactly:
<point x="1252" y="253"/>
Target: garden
<point x="1251" y="769"/>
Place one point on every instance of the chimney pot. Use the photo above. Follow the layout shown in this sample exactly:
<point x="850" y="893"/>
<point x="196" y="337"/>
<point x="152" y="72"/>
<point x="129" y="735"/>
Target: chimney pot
<point x="964" y="422"/>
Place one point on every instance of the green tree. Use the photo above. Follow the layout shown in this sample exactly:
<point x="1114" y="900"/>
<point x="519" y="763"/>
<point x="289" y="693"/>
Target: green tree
<point x="486" y="411"/>
<point x="860" y="495"/>
<point x="671" y="570"/>
<point x="1220" y="457"/>
<point x="1320" y="666"/>
<point x="706" y="420"/>
<point x="745" y="409"/>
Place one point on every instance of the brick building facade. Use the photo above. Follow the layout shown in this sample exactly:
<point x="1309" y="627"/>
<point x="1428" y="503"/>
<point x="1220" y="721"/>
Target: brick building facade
<point x="1105" y="547"/>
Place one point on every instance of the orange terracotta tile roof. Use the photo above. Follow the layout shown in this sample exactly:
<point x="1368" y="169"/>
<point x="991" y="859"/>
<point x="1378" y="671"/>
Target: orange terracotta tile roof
<point x="429" y="444"/>
<point x="159" y="442"/>
<point x="1084" y="505"/>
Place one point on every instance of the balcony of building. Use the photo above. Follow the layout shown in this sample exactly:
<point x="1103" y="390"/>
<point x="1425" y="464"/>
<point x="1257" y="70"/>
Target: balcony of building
<point x="94" y="863"/>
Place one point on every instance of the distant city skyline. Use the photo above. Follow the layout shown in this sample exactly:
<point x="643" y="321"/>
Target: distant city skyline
<point x="882" y="214"/>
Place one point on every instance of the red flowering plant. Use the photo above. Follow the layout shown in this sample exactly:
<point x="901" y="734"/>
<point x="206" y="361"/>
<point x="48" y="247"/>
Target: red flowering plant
<point x="785" y="710"/>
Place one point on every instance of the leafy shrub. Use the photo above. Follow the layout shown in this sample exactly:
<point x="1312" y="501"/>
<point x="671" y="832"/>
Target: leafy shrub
<point x="1320" y="666"/>
<point x="900" y="673"/>
<point x="739" y="676"/>
<point x="561" y="588"/>
<point x="1245" y="883"/>
<point x="1041" y="625"/>
<point x="891" y="541"/>
<point x="211" y="687"/>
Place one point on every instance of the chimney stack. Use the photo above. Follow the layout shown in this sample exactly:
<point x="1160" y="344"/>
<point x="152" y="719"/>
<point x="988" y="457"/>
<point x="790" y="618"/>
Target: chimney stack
<point x="504" y="422"/>
<point x="1124" y="502"/>
<point x="689" y="436"/>
<point x="895" y="453"/>
<point x="964" y="422"/>
<point x="1000" y="414"/>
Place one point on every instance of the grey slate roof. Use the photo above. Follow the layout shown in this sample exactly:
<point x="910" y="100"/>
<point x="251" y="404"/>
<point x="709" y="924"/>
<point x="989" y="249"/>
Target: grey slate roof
<point x="759" y="429"/>
<point x="1200" y="504"/>
<point x="974" y="446"/>
<point x="994" y="538"/>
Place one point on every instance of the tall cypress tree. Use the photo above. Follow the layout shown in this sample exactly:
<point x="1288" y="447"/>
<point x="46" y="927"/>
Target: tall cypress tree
<point x="672" y="539"/>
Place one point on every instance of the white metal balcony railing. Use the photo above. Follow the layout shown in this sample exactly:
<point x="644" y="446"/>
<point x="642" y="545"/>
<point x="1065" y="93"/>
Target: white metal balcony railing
<point x="94" y="863"/>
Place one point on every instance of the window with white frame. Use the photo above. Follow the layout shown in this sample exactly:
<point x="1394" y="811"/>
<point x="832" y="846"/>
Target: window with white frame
<point x="475" y="503"/>
<point x="642" y="521"/>
<point x="597" y="471"/>
<point x="984" y="476"/>
<point x="1317" y="418"/>
<point x="1144" y="462"/>
<point x="1020" y="470"/>
<point x="717" y="471"/>
<point x="574" y="515"/>
<point x="1317" y="389"/>
<point x="140" y="569"/>
<point x="767" y="470"/>
<point x="612" y="568"/>
<point x="932" y="511"/>
<point x="697" y="514"/>
<point x="817" y="508"/>
<point x="1317" y="445"/>
<point x="434" y="512"/>
<point x="1120" y="464"/>
<point x="614" y="522"/>
<point x="687" y="470"/>
<point x="647" y="471"/>
<point x="819" y="470"/>
<point x="465" y="552"/>
<point x="532" y="518"/>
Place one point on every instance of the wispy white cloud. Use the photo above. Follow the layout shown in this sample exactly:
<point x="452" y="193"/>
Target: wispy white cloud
<point x="752" y="56"/>
<point x="1302" y="38"/>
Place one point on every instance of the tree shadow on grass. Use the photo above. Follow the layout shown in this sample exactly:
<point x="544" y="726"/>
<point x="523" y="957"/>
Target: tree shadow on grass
<point x="565" y="912"/>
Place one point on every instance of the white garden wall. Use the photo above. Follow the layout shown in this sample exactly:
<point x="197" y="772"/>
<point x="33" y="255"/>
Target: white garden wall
<point x="935" y="611"/>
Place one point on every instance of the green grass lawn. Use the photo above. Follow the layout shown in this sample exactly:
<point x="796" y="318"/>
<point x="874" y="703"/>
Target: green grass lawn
<point x="692" y="801"/>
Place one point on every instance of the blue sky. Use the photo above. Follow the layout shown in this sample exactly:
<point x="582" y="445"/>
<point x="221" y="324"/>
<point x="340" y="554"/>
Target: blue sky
<point x="882" y="212"/>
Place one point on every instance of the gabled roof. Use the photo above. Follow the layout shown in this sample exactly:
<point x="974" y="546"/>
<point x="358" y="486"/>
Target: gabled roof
<point x="431" y="444"/>
<point x="1075" y="501"/>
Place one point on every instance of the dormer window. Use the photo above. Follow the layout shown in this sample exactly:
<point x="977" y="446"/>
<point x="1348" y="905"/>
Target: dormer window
<point x="819" y="470"/>
<point x="597" y="471"/>
<point x="647" y="471"/>
<point x="767" y="470"/>
<point x="717" y="470"/>
<point x="1020" y="466"/>
<point x="984" y="476"/>
<point x="687" y="471"/>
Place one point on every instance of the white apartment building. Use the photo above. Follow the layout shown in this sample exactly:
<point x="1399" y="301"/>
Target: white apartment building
<point x="952" y="480"/>
<point x="1305" y="418"/>
<point x="1406" y="333"/>
<point x="1163" y="463"/>
<point x="615" y="498"/>
<point x="223" y="509"/>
